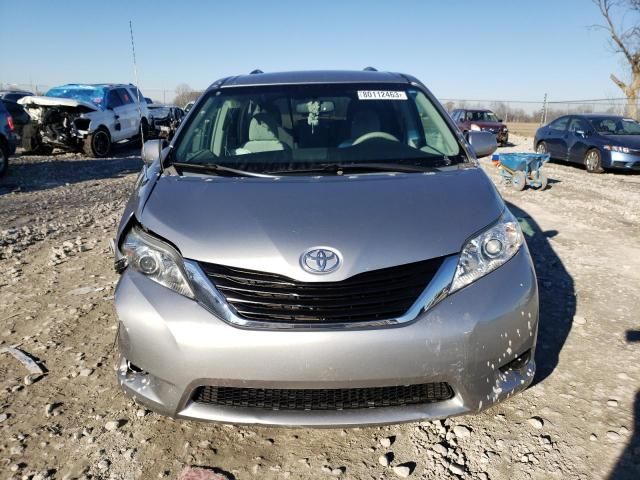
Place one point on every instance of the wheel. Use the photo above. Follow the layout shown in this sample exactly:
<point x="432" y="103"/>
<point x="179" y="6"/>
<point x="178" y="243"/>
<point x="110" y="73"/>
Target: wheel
<point x="98" y="143"/>
<point x="593" y="161"/>
<point x="144" y="131"/>
<point x="519" y="181"/>
<point x="541" y="148"/>
<point x="543" y="181"/>
<point x="371" y="135"/>
<point x="4" y="160"/>
<point x="32" y="142"/>
<point x="43" y="150"/>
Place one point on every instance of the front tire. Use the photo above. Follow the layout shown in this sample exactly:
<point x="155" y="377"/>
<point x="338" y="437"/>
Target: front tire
<point x="144" y="131"/>
<point x="542" y="148"/>
<point x="98" y="143"/>
<point x="593" y="161"/>
<point x="43" y="150"/>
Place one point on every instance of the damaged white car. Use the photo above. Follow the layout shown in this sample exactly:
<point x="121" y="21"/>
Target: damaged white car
<point x="87" y="118"/>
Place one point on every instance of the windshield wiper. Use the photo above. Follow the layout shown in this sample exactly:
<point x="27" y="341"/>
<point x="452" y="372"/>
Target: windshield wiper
<point x="219" y="169"/>
<point x="340" y="168"/>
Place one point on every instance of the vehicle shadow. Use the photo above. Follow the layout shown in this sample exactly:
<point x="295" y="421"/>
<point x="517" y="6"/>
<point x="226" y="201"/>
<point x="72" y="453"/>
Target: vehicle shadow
<point x="556" y="291"/>
<point x="34" y="173"/>
<point x="628" y="466"/>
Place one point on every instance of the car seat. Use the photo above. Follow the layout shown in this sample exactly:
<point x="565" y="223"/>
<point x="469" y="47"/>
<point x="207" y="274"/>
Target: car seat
<point x="262" y="135"/>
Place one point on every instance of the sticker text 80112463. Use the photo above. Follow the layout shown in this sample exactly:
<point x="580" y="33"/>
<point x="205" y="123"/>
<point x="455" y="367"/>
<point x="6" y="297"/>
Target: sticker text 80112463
<point x="381" y="95"/>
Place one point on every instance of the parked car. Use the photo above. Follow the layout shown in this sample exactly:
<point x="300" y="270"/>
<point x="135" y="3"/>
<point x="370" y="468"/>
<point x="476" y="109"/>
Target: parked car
<point x="165" y="119"/>
<point x="86" y="117"/>
<point x="321" y="248"/>
<point x="14" y="95"/>
<point x="8" y="139"/>
<point x="597" y="141"/>
<point x="483" y="120"/>
<point x="20" y="117"/>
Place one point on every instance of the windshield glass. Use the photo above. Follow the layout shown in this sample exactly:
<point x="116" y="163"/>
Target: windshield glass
<point x="482" y="116"/>
<point x="288" y="128"/>
<point x="85" y="93"/>
<point x="616" y="126"/>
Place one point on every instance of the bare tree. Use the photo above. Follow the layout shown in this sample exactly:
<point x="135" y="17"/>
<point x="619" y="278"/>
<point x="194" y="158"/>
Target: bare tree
<point x="185" y="94"/>
<point x="627" y="42"/>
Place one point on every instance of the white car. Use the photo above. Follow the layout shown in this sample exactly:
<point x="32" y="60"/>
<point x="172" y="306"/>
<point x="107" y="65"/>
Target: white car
<point x="85" y="117"/>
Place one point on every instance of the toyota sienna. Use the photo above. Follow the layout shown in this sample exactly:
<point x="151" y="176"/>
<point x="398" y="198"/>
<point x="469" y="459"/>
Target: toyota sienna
<point x="320" y="249"/>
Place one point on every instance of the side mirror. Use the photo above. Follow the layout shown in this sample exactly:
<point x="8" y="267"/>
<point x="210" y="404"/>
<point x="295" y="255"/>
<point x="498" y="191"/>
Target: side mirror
<point x="483" y="144"/>
<point x="152" y="149"/>
<point x="500" y="120"/>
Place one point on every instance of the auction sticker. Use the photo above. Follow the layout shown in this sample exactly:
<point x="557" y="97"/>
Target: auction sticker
<point x="381" y="95"/>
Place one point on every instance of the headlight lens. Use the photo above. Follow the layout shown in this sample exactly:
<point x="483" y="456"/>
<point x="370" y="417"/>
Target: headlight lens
<point x="487" y="251"/>
<point x="156" y="260"/>
<point x="474" y="128"/>
<point x="617" y="148"/>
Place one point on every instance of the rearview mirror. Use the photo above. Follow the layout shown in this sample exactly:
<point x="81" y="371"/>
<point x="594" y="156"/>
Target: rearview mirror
<point x="151" y="150"/>
<point x="324" y="107"/>
<point x="483" y="144"/>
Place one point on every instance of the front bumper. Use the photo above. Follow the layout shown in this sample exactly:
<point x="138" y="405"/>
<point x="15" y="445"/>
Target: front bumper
<point x="626" y="161"/>
<point x="463" y="340"/>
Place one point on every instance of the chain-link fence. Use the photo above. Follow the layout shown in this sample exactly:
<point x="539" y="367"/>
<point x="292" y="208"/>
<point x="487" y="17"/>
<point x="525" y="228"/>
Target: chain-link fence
<point x="542" y="111"/>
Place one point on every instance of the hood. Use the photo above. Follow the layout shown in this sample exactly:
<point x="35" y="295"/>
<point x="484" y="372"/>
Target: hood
<point x="57" y="102"/>
<point x="374" y="221"/>
<point x="630" y="141"/>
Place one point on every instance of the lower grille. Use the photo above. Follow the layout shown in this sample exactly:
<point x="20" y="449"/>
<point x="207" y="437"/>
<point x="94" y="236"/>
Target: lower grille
<point x="323" y="399"/>
<point x="374" y="295"/>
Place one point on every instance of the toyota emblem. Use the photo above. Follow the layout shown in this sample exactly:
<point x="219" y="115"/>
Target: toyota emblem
<point x="320" y="260"/>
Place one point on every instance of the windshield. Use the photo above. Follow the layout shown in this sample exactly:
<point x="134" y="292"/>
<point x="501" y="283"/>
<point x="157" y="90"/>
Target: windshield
<point x="288" y="128"/>
<point x="482" y="116"/>
<point x="615" y="126"/>
<point x="84" y="93"/>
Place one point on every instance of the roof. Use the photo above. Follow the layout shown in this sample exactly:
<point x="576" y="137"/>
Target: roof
<point x="469" y="109"/>
<point x="95" y="85"/>
<point x="15" y="91"/>
<point x="595" y="115"/>
<point x="313" y="76"/>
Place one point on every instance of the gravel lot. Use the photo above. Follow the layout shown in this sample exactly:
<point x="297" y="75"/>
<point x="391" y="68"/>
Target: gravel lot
<point x="579" y="420"/>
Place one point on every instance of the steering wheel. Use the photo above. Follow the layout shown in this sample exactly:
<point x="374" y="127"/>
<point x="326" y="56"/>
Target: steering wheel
<point x="371" y="135"/>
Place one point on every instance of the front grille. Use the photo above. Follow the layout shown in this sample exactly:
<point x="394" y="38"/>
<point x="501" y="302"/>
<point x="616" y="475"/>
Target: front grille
<point x="375" y="295"/>
<point x="321" y="399"/>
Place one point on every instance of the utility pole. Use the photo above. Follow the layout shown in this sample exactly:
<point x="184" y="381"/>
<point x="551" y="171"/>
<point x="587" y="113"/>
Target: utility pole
<point x="543" y="116"/>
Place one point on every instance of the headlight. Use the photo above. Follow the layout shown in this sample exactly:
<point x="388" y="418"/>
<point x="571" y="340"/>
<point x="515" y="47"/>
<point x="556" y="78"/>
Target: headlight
<point x="474" y="128"/>
<point x="156" y="260"/>
<point x="487" y="251"/>
<point x="617" y="148"/>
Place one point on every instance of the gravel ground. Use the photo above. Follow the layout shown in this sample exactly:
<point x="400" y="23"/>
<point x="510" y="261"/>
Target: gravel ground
<point x="580" y="419"/>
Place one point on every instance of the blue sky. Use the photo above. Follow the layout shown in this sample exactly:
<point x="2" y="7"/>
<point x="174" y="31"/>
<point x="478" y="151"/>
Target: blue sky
<point x="461" y="49"/>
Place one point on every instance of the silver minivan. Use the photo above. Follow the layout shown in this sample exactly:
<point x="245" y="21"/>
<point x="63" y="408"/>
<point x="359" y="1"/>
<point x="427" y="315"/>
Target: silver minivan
<point x="319" y="249"/>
